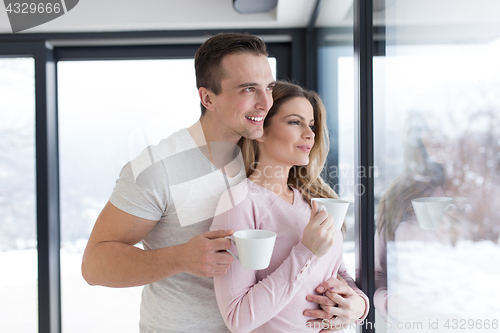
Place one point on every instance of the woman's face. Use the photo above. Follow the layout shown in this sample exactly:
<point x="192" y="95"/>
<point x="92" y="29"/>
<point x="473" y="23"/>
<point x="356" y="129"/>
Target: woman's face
<point x="438" y="146"/>
<point x="289" y="137"/>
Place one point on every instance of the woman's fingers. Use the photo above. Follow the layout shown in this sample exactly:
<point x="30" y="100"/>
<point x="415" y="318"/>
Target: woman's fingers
<point x="336" y="298"/>
<point x="328" y="223"/>
<point x="321" y="217"/>
<point x="319" y="233"/>
<point x="314" y="210"/>
<point x="329" y="324"/>
<point x="321" y="300"/>
<point x="319" y="314"/>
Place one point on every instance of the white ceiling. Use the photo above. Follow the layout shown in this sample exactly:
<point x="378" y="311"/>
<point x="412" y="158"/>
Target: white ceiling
<point x="459" y="20"/>
<point x="140" y="15"/>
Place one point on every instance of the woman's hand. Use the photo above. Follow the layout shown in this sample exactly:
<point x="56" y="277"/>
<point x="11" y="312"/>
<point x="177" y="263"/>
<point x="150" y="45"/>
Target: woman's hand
<point x="340" y="306"/>
<point x="319" y="233"/>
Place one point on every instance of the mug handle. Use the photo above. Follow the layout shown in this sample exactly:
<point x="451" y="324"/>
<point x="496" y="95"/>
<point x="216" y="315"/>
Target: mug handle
<point x="234" y="256"/>
<point x="449" y="207"/>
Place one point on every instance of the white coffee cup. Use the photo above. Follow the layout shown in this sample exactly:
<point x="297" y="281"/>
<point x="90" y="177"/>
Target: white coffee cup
<point x="336" y="208"/>
<point x="431" y="210"/>
<point x="255" y="247"/>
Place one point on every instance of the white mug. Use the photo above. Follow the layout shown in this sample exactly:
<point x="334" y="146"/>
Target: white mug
<point x="431" y="210"/>
<point x="255" y="247"/>
<point x="336" y="208"/>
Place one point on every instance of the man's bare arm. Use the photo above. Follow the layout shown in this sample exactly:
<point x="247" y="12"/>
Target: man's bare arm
<point x="112" y="260"/>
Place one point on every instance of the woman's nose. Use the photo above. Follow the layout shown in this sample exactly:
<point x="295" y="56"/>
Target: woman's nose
<point x="309" y="133"/>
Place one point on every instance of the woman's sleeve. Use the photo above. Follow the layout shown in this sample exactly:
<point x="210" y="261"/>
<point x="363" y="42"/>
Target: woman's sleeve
<point x="345" y="275"/>
<point x="245" y="303"/>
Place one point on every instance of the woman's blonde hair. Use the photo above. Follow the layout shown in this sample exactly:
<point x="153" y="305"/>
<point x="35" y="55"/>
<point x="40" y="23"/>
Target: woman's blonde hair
<point x="420" y="177"/>
<point x="307" y="179"/>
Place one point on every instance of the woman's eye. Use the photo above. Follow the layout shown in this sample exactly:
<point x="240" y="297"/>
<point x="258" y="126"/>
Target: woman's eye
<point x="294" y="122"/>
<point x="312" y="127"/>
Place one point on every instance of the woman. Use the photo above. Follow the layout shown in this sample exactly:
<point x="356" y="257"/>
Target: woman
<point x="283" y="169"/>
<point x="421" y="177"/>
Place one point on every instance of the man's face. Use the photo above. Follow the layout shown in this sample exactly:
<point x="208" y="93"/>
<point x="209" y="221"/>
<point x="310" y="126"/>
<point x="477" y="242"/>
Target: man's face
<point x="245" y="97"/>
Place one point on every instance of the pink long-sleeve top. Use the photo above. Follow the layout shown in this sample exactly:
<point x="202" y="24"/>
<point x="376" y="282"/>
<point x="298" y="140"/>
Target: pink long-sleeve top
<point x="274" y="299"/>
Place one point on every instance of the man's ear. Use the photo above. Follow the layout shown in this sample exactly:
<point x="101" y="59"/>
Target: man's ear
<point x="206" y="98"/>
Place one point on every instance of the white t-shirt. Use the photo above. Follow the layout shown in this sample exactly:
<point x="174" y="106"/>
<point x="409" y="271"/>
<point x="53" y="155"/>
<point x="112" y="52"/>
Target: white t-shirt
<point x="175" y="184"/>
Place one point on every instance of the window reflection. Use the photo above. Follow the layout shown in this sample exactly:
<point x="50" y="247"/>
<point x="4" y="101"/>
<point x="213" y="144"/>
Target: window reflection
<point x="437" y="225"/>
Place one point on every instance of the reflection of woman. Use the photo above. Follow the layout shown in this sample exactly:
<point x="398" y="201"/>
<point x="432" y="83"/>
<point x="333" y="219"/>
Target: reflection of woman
<point x="409" y="259"/>
<point x="421" y="177"/>
<point x="283" y="168"/>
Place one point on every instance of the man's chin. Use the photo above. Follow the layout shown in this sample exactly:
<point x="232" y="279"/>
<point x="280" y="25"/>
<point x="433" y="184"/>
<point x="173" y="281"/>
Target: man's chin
<point x="253" y="135"/>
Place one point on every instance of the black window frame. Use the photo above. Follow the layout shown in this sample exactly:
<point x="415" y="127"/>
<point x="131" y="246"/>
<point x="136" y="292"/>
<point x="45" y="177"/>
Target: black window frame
<point x="47" y="178"/>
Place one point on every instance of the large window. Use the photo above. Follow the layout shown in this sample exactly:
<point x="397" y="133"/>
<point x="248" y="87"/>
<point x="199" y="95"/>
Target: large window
<point x="18" y="254"/>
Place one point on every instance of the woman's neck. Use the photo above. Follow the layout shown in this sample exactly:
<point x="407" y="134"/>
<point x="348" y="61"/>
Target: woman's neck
<point x="273" y="178"/>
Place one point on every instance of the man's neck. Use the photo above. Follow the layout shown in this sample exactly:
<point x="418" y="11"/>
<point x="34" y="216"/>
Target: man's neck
<point x="215" y="132"/>
<point x="219" y="152"/>
<point x="197" y="133"/>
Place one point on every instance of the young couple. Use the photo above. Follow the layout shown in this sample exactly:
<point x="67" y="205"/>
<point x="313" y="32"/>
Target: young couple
<point x="168" y="195"/>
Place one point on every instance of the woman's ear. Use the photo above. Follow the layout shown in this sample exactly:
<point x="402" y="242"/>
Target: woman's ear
<point x="206" y="98"/>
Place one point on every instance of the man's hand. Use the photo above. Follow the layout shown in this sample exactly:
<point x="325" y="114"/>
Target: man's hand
<point x="340" y="305"/>
<point x="206" y="255"/>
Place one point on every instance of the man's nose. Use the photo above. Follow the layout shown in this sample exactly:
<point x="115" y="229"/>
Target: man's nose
<point x="265" y="100"/>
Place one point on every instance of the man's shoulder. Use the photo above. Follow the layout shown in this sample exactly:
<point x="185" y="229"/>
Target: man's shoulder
<point x="175" y="143"/>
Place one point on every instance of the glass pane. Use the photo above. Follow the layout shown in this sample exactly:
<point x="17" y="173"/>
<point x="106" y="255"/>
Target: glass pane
<point x="346" y="174"/>
<point x="336" y="87"/>
<point x="437" y="138"/>
<point x="18" y="254"/>
<point x="108" y="112"/>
